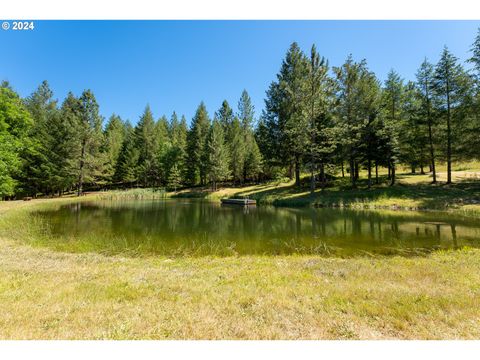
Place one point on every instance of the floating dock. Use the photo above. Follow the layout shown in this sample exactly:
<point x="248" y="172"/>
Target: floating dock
<point x="243" y="202"/>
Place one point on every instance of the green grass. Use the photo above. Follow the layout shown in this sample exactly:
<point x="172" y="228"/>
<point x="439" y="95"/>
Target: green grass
<point x="53" y="295"/>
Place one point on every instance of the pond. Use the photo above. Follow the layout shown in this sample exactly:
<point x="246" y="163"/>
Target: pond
<point x="198" y="227"/>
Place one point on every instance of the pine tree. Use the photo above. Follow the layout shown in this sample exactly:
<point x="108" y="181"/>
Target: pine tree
<point x="89" y="130"/>
<point x="225" y="117"/>
<point x="237" y="151"/>
<point x="146" y="143"/>
<point x="414" y="137"/>
<point x="450" y="84"/>
<point x="472" y="140"/>
<point x="174" y="178"/>
<point x="425" y="86"/>
<point x="195" y="169"/>
<point x="38" y="164"/>
<point x="285" y="115"/>
<point x="217" y="155"/>
<point x="164" y="146"/>
<point x="353" y="81"/>
<point x="393" y="102"/>
<point x="125" y="171"/>
<point x="252" y="159"/>
<point x="114" y="136"/>
<point x="318" y="100"/>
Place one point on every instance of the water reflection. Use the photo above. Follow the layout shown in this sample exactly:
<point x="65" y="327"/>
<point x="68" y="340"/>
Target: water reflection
<point x="177" y="227"/>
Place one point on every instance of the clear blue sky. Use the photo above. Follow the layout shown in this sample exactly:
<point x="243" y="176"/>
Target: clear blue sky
<point x="173" y="65"/>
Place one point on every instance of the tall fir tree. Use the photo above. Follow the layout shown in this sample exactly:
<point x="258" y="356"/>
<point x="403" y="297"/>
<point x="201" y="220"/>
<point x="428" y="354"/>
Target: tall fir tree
<point x="39" y="163"/>
<point x="126" y="167"/>
<point x="146" y="143"/>
<point x="114" y="136"/>
<point x="451" y="88"/>
<point x="89" y="130"/>
<point x="217" y="155"/>
<point x="195" y="169"/>
<point x="318" y="103"/>
<point x="393" y="103"/>
<point x="425" y="88"/>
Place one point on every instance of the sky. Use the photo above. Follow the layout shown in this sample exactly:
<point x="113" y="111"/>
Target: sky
<point x="174" y="65"/>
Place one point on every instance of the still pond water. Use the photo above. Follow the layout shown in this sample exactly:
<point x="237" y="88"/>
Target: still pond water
<point x="194" y="227"/>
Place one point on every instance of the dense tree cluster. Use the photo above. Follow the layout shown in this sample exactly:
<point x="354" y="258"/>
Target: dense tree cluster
<point x="48" y="148"/>
<point x="317" y="120"/>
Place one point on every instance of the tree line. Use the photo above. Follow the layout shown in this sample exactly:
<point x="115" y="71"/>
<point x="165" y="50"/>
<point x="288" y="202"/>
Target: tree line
<point x="317" y="119"/>
<point x="320" y="119"/>
<point x="50" y="148"/>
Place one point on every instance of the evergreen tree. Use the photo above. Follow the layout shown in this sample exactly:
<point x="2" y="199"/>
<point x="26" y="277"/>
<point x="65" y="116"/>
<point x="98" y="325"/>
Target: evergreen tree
<point x="125" y="171"/>
<point x="285" y="114"/>
<point x="472" y="141"/>
<point x="414" y="138"/>
<point x="237" y="150"/>
<point x="217" y="155"/>
<point x="89" y="131"/>
<point x="174" y="178"/>
<point x="352" y="112"/>
<point x="252" y="157"/>
<point x="321" y="138"/>
<point x="425" y="86"/>
<point x="393" y="102"/>
<point x="39" y="163"/>
<point x="225" y="117"/>
<point x="451" y="87"/>
<point x="114" y="136"/>
<point x="146" y="143"/>
<point x="164" y="146"/>
<point x="195" y="169"/>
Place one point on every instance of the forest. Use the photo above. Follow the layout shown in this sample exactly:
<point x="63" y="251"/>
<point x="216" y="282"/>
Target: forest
<point x="318" y="121"/>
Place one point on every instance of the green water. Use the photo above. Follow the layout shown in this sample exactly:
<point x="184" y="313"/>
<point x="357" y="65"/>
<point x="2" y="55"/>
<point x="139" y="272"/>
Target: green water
<point x="194" y="227"/>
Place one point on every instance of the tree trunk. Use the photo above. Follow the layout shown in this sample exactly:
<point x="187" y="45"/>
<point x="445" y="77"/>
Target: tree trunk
<point x="352" y="173"/>
<point x="376" y="172"/>
<point x="356" y="170"/>
<point x="343" y="170"/>
<point x="369" y="166"/>
<point x="297" y="171"/>
<point x="312" y="179"/>
<point x="82" y="164"/>
<point x="430" y="137"/>
<point x="290" y="171"/>
<point x="422" y="170"/>
<point x="392" y="182"/>
<point x="389" y="171"/>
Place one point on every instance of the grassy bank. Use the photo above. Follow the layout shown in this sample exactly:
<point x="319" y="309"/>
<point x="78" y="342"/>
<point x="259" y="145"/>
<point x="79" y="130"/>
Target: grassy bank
<point x="46" y="294"/>
<point x="412" y="192"/>
<point x="52" y="295"/>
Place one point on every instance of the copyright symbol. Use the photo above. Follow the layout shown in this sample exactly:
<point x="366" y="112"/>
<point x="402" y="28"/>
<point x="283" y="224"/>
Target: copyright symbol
<point x="5" y="25"/>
